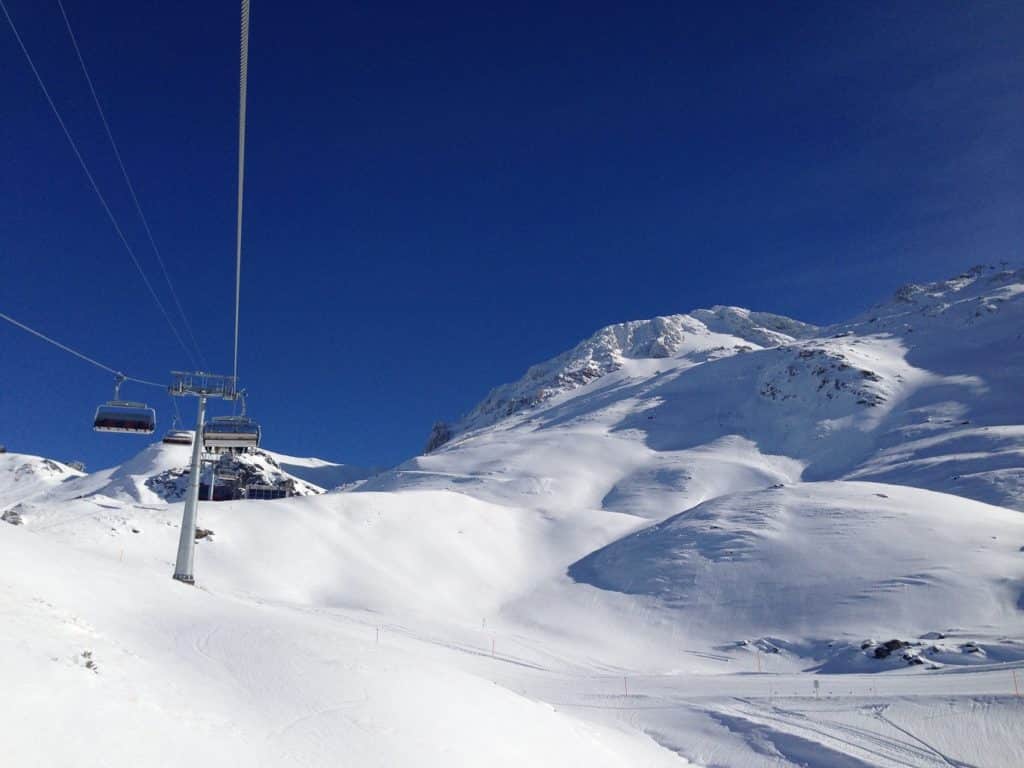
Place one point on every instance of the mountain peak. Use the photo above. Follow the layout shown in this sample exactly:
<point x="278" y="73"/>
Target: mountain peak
<point x="721" y="329"/>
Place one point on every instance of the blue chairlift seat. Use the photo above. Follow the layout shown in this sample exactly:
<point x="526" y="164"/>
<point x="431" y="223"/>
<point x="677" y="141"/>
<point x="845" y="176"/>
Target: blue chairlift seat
<point x="123" y="416"/>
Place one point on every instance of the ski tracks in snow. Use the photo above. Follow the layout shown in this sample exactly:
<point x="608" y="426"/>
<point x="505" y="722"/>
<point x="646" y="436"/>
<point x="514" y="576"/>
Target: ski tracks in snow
<point x="869" y="746"/>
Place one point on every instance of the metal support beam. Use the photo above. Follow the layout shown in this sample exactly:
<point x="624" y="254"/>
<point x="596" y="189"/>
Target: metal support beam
<point x="187" y="540"/>
<point x="202" y="385"/>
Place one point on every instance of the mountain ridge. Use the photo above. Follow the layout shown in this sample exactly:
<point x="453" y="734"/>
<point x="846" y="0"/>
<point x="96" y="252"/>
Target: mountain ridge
<point x="664" y="336"/>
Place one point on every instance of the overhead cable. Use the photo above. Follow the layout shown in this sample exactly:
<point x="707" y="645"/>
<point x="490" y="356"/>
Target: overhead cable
<point x="243" y="87"/>
<point x="92" y="182"/>
<point x="78" y="354"/>
<point x="128" y="183"/>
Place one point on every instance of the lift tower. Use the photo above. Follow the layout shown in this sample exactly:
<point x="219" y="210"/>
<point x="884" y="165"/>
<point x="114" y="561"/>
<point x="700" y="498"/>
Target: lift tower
<point x="203" y="386"/>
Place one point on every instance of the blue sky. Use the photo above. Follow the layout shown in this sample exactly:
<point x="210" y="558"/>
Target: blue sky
<point x="440" y="195"/>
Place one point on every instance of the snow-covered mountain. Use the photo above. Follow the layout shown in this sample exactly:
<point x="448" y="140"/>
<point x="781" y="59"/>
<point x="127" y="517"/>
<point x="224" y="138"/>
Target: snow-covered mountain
<point x="23" y="477"/>
<point x="701" y="335"/>
<point x="159" y="473"/>
<point x="696" y="539"/>
<point x="921" y="390"/>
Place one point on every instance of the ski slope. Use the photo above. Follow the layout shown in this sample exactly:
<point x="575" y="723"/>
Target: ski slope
<point x="724" y="538"/>
<point x="321" y="473"/>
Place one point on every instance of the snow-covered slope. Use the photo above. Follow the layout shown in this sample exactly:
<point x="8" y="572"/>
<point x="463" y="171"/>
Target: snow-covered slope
<point x="323" y="474"/>
<point x="661" y="546"/>
<point x="700" y="335"/>
<point x="960" y="431"/>
<point x="119" y="665"/>
<point x="843" y="560"/>
<point x="23" y="476"/>
<point x="923" y="391"/>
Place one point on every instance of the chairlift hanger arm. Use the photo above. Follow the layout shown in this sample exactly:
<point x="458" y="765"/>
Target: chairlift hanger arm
<point x="203" y="384"/>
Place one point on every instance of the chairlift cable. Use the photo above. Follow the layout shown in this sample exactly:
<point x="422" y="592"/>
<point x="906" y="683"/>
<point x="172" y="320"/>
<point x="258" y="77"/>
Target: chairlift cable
<point x="128" y="183"/>
<point x="243" y="87"/>
<point x="78" y="354"/>
<point x="92" y="181"/>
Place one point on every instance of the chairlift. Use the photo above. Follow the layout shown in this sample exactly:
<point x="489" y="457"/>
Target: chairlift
<point x="124" y="416"/>
<point x="175" y="435"/>
<point x="178" y="437"/>
<point x="232" y="431"/>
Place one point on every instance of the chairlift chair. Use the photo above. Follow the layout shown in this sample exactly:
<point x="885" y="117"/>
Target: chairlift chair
<point x="178" y="437"/>
<point x="231" y="432"/>
<point x="124" y="416"/>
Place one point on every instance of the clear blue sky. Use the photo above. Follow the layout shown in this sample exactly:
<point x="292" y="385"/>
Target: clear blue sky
<point x="439" y="195"/>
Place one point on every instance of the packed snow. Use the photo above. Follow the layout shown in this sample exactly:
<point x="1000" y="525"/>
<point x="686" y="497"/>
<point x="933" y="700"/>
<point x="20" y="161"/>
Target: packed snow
<point x="722" y="538"/>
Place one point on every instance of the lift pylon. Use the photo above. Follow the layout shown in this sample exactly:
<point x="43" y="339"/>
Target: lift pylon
<point x="202" y="386"/>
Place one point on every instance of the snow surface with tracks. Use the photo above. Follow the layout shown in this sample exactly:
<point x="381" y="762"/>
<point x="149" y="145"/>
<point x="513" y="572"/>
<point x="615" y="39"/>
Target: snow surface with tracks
<point x="685" y="541"/>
